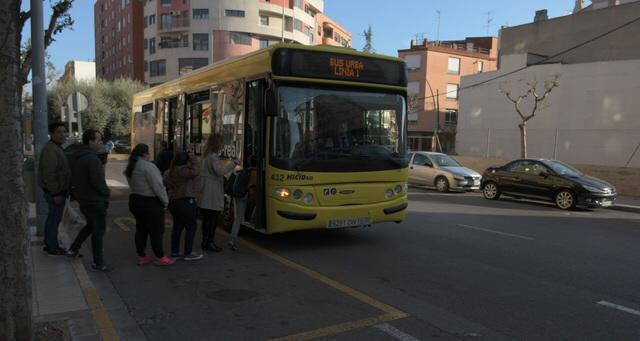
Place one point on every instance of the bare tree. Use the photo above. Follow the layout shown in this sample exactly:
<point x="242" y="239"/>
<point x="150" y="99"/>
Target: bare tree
<point x="368" y="38"/>
<point x="15" y="295"/>
<point x="539" y="103"/>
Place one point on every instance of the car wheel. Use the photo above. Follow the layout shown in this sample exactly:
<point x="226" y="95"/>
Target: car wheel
<point x="491" y="191"/>
<point x="442" y="184"/>
<point x="565" y="200"/>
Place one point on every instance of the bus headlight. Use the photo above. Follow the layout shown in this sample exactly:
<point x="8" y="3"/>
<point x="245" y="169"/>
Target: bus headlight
<point x="398" y="189"/>
<point x="308" y="198"/>
<point x="282" y="193"/>
<point x="297" y="194"/>
<point x="388" y="193"/>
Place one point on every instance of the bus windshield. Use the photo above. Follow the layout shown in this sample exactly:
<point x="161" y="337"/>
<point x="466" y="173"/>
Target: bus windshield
<point x="338" y="131"/>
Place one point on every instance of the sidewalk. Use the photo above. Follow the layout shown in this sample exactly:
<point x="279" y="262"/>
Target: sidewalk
<point x="62" y="294"/>
<point x="627" y="204"/>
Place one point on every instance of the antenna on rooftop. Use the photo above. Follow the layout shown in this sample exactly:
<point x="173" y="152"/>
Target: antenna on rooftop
<point x="489" y="21"/>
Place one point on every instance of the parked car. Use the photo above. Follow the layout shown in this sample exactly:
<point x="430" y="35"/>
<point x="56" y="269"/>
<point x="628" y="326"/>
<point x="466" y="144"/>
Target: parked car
<point x="442" y="172"/>
<point x="547" y="180"/>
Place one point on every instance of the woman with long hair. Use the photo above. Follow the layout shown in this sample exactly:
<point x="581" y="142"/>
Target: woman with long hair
<point x="211" y="200"/>
<point x="182" y="185"/>
<point x="147" y="201"/>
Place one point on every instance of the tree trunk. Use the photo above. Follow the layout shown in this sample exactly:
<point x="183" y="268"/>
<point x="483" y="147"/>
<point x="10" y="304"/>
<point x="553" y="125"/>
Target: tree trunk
<point x="523" y="140"/>
<point x="15" y="292"/>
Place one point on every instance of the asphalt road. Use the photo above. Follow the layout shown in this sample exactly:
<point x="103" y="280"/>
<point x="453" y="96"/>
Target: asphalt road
<point x="459" y="267"/>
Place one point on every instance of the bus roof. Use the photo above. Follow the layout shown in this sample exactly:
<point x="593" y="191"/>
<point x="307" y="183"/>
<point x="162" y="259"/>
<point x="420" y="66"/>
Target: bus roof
<point x="251" y="64"/>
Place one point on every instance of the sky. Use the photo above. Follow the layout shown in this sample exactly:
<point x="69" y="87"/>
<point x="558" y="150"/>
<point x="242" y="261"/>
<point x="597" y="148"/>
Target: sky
<point x="394" y="23"/>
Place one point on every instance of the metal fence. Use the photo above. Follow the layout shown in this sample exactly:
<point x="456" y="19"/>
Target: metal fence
<point x="613" y="147"/>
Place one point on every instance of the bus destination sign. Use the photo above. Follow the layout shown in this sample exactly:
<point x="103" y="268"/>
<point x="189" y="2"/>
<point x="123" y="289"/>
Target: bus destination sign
<point x="337" y="66"/>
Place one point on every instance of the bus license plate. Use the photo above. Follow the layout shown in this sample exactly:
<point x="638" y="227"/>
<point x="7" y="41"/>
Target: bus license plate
<point x="338" y="223"/>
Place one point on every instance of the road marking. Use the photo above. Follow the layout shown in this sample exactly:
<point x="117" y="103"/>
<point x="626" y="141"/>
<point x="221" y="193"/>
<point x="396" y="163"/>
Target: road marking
<point x="116" y="184"/>
<point x="619" y="307"/>
<point x="496" y="232"/>
<point x="390" y="313"/>
<point x="123" y="221"/>
<point x="398" y="334"/>
<point x="100" y="315"/>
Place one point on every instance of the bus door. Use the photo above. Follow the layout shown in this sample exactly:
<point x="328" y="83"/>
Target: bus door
<point x="253" y="152"/>
<point x="169" y="122"/>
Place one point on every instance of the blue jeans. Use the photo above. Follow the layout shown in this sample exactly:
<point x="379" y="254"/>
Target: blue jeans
<point x="241" y="205"/>
<point x="54" y="217"/>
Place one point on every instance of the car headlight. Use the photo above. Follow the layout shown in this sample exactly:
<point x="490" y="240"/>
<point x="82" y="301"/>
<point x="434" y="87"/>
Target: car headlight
<point x="398" y="189"/>
<point x="594" y="189"/>
<point x="297" y="194"/>
<point x="308" y="198"/>
<point x="282" y="193"/>
<point x="388" y="193"/>
<point x="458" y="177"/>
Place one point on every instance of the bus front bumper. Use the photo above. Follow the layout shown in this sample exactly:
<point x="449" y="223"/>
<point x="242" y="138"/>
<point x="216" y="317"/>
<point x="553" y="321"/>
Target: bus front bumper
<point x="286" y="216"/>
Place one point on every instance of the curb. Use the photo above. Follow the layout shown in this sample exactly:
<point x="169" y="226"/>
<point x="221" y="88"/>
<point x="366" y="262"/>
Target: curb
<point x="625" y="208"/>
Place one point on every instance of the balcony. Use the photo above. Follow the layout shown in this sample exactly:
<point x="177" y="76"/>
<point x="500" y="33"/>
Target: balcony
<point x="174" y="23"/>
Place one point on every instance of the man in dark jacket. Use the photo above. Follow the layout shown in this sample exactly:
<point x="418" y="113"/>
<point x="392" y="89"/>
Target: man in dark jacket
<point x="163" y="160"/>
<point x="53" y="177"/>
<point x="89" y="188"/>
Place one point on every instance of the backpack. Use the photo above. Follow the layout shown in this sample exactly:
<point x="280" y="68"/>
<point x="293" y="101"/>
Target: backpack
<point x="228" y="184"/>
<point x="240" y="184"/>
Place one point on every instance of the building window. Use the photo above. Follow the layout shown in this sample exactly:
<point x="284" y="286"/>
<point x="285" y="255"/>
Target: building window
<point x="480" y="66"/>
<point x="298" y="3"/>
<point x="454" y="65"/>
<point x="145" y="44"/>
<point x="174" y="42"/>
<point x="239" y="38"/>
<point x="451" y="117"/>
<point x="152" y="19"/>
<point x="201" y="13"/>
<point x="165" y="3"/>
<point x="413" y="61"/>
<point x="264" y="20"/>
<point x="233" y="13"/>
<point x="201" y="42"/>
<point x="189" y="64"/>
<point x="288" y="24"/>
<point x="152" y="45"/>
<point x="297" y="25"/>
<point x="452" y="91"/>
<point x="264" y="43"/>
<point x="157" y="68"/>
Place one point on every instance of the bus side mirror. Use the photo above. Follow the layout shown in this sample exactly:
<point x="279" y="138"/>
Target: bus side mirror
<point x="270" y="103"/>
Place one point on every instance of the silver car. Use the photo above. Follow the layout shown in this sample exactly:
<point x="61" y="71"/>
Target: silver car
<point x="442" y="172"/>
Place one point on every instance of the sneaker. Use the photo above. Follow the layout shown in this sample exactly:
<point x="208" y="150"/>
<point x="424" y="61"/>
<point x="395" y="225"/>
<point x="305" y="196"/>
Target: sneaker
<point x="57" y="252"/>
<point x="193" y="256"/>
<point x="101" y="267"/>
<point x="177" y="256"/>
<point x="73" y="254"/>
<point x="211" y="247"/>
<point x="143" y="260"/>
<point x="164" y="261"/>
<point x="232" y="245"/>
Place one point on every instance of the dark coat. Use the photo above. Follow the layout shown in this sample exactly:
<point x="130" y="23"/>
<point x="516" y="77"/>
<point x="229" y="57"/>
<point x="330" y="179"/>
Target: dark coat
<point x="88" y="182"/>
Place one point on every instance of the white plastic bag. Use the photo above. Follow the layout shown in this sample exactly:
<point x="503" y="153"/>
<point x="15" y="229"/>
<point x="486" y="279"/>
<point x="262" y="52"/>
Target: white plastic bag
<point x="72" y="218"/>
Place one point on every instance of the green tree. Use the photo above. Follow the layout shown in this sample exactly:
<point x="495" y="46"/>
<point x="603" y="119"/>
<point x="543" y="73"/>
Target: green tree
<point x="368" y="38"/>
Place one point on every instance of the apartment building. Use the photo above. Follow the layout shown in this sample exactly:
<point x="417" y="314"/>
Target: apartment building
<point x="435" y="69"/>
<point x="118" y="39"/>
<point x="184" y="35"/>
<point x="591" y="118"/>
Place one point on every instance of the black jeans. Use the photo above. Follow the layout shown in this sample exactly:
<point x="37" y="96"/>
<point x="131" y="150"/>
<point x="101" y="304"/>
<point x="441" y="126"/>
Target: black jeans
<point x="149" y="215"/>
<point x="95" y="213"/>
<point x="209" y="224"/>
<point x="185" y="216"/>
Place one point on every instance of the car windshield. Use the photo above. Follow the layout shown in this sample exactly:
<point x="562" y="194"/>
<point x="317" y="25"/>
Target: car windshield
<point x="562" y="168"/>
<point x="444" y="161"/>
<point x="329" y="130"/>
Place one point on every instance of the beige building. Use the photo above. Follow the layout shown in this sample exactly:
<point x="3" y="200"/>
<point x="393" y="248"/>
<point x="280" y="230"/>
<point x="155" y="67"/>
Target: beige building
<point x="180" y="36"/>
<point x="435" y="69"/>
<point x="592" y="118"/>
<point x="79" y="70"/>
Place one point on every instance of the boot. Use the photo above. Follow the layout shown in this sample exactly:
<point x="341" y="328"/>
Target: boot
<point x="208" y="243"/>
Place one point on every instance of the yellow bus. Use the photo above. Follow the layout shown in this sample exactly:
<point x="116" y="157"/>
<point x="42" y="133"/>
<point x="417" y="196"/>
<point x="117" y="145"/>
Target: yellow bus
<point x="323" y="129"/>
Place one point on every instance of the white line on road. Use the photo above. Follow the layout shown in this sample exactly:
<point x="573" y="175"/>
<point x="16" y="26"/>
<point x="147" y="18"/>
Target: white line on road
<point x="398" y="334"/>
<point x="116" y="183"/>
<point x="619" y="307"/>
<point x="496" y="232"/>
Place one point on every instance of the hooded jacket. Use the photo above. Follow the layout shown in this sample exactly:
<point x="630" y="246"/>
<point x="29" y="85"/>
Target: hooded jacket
<point x="88" y="182"/>
<point x="53" y="170"/>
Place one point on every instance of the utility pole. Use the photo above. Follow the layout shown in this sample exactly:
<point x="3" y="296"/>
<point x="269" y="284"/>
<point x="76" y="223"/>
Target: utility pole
<point x="283" y="20"/>
<point x="39" y="89"/>
<point x="438" y="32"/>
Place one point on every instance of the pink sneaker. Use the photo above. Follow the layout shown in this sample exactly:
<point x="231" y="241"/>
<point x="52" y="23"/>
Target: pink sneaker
<point x="144" y="260"/>
<point x="165" y="261"/>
